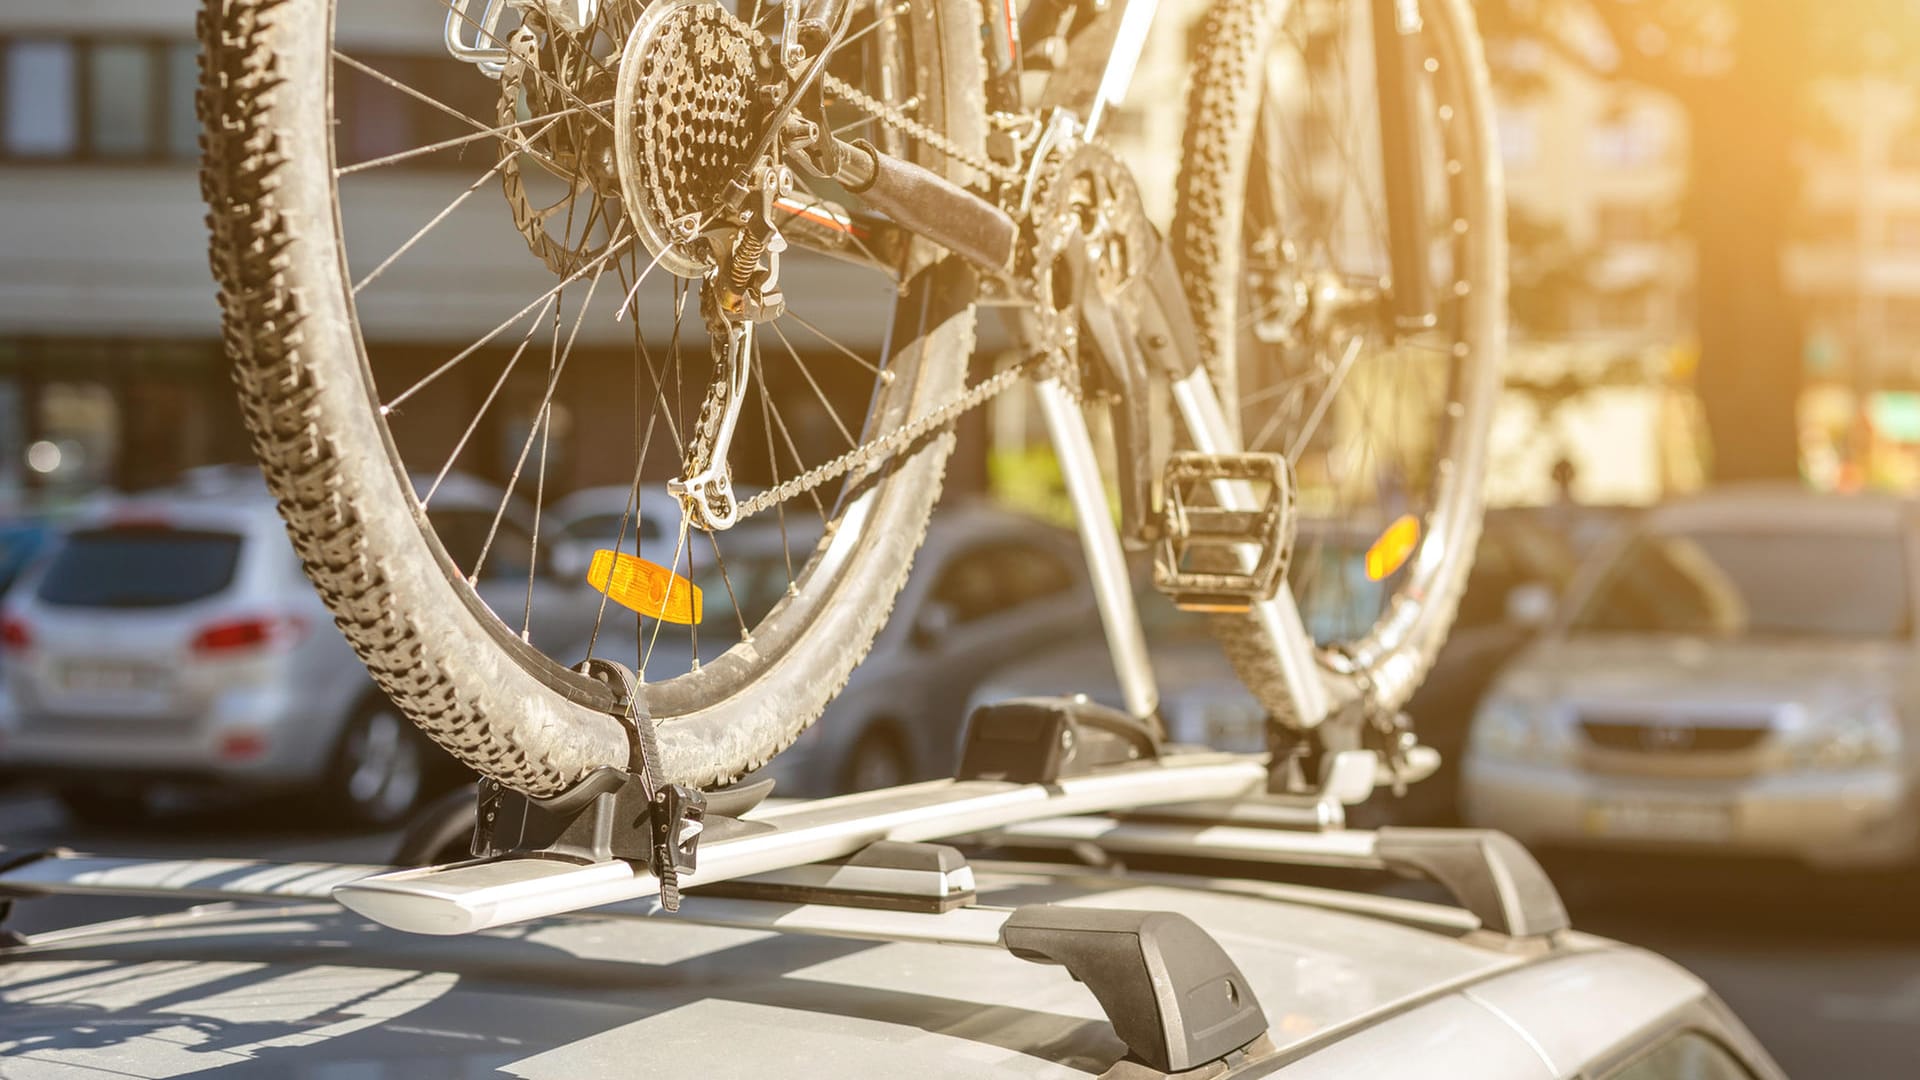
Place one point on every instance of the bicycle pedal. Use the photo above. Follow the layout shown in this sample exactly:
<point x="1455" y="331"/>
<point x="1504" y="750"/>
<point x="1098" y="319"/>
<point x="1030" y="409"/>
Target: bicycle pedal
<point x="1227" y="529"/>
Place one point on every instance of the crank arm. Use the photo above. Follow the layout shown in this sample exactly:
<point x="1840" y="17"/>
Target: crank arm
<point x="1170" y="344"/>
<point x="1124" y="365"/>
<point x="708" y="494"/>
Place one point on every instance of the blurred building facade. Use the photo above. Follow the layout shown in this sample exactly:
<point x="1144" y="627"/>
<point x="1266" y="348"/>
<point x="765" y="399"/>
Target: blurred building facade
<point x="109" y="362"/>
<point x="1602" y="287"/>
<point x="1856" y="265"/>
<point x="111" y="371"/>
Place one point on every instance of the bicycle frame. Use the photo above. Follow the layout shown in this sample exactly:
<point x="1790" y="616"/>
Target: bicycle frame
<point x="1079" y="97"/>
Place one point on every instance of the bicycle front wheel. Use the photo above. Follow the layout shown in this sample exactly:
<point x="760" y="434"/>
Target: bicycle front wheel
<point x="442" y="312"/>
<point x="1283" y="243"/>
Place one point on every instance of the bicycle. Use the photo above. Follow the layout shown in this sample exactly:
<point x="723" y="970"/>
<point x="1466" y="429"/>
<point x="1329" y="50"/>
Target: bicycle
<point x="1325" y="321"/>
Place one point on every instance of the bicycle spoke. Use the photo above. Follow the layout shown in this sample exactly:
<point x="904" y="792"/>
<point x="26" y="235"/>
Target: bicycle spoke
<point x="786" y="437"/>
<point x="833" y="414"/>
<point x="434" y="103"/>
<point x="842" y="349"/>
<point x="733" y="598"/>
<point x="1338" y="379"/>
<point x="679" y="547"/>
<point x="430" y="225"/>
<point x="474" y="424"/>
<point x="471" y="137"/>
<point x="532" y="69"/>
<point x="597" y="264"/>
<point x="546" y="402"/>
<point x="773" y="467"/>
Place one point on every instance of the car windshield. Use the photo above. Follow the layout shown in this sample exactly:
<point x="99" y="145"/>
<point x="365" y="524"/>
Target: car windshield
<point x="607" y="528"/>
<point x="140" y="568"/>
<point x="1735" y="583"/>
<point x="752" y="583"/>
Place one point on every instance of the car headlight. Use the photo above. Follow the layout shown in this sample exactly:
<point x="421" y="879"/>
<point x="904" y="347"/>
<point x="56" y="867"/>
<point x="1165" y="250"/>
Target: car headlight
<point x="1863" y="734"/>
<point x="1514" y="728"/>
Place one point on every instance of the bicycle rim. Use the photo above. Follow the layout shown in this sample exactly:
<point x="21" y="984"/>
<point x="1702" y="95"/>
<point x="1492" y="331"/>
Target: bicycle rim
<point x="1283" y="246"/>
<point x="368" y="424"/>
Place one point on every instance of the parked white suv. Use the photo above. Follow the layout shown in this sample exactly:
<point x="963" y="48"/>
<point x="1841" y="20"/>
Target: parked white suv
<point x="171" y="638"/>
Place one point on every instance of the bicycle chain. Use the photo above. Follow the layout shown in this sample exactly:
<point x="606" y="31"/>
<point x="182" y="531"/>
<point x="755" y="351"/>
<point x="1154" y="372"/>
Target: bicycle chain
<point x="900" y="121"/>
<point x="878" y="449"/>
<point x="906" y="434"/>
<point x="913" y="431"/>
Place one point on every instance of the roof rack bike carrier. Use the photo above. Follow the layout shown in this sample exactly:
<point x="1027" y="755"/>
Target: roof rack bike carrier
<point x="472" y="896"/>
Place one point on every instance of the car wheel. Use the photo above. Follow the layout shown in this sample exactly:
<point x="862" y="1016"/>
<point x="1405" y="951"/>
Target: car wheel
<point x="120" y="807"/>
<point x="379" y="769"/>
<point x="441" y="833"/>
<point x="878" y="761"/>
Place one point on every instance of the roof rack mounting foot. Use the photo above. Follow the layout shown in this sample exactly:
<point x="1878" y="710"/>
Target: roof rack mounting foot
<point x="1171" y="993"/>
<point x="1039" y="740"/>
<point x="887" y="875"/>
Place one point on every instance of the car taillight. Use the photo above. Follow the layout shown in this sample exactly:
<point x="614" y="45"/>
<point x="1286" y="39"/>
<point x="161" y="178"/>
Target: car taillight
<point x="242" y="635"/>
<point x="15" y="636"/>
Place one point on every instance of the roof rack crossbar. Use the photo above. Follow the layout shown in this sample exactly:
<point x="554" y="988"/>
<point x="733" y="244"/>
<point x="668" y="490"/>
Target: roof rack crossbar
<point x="471" y="896"/>
<point x="1488" y="873"/>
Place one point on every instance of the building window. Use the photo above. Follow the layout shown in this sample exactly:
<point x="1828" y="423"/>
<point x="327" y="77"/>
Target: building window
<point x="42" y="117"/>
<point x="1633" y="140"/>
<point x="1627" y="223"/>
<point x="375" y="119"/>
<point x="183" y="82"/>
<point x="121" y="117"/>
<point x="113" y="100"/>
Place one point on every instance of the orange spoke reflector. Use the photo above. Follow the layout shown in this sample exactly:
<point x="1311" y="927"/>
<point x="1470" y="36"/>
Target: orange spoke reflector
<point x="1394" y="548"/>
<point x="648" y="588"/>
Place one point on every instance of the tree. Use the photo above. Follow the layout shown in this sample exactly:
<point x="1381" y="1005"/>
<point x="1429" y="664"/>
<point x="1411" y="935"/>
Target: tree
<point x="1742" y="71"/>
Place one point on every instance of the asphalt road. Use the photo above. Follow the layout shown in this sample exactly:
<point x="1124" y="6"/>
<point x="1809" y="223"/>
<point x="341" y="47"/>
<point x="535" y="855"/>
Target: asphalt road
<point x="1825" y="972"/>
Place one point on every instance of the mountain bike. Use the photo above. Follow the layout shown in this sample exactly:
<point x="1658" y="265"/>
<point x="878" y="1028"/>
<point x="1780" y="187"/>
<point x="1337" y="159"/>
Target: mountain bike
<point x="753" y="239"/>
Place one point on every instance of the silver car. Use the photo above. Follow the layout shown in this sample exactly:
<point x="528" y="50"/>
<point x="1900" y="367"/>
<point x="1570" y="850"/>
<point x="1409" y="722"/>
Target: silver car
<point x="822" y="970"/>
<point x="172" y="639"/>
<point x="1740" y="675"/>
<point x="988" y="586"/>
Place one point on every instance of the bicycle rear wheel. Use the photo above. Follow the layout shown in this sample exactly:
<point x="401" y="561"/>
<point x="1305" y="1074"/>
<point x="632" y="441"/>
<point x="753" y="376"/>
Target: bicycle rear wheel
<point x="1283" y="245"/>
<point x="349" y="233"/>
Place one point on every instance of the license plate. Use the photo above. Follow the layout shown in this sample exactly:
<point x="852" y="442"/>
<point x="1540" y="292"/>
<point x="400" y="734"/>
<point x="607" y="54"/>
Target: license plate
<point x="107" y="677"/>
<point x="1636" y="819"/>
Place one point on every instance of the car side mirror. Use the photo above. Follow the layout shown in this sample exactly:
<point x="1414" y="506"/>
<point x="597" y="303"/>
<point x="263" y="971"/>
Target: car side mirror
<point x="1531" y="605"/>
<point x="931" y="627"/>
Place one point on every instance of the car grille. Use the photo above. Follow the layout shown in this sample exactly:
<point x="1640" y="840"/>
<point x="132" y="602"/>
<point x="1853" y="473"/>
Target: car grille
<point x="1674" y="735"/>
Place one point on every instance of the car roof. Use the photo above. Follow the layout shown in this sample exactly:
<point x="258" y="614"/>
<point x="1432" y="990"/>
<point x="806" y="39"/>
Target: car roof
<point x="609" y="499"/>
<point x="589" y="995"/>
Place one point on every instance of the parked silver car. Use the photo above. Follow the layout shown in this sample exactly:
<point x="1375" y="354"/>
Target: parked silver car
<point x="610" y="517"/>
<point x="988" y="586"/>
<point x="905" y="960"/>
<point x="1740" y="675"/>
<point x="171" y="638"/>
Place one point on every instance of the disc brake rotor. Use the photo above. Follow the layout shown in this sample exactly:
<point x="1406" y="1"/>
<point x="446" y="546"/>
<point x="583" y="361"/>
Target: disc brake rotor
<point x="684" y="123"/>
